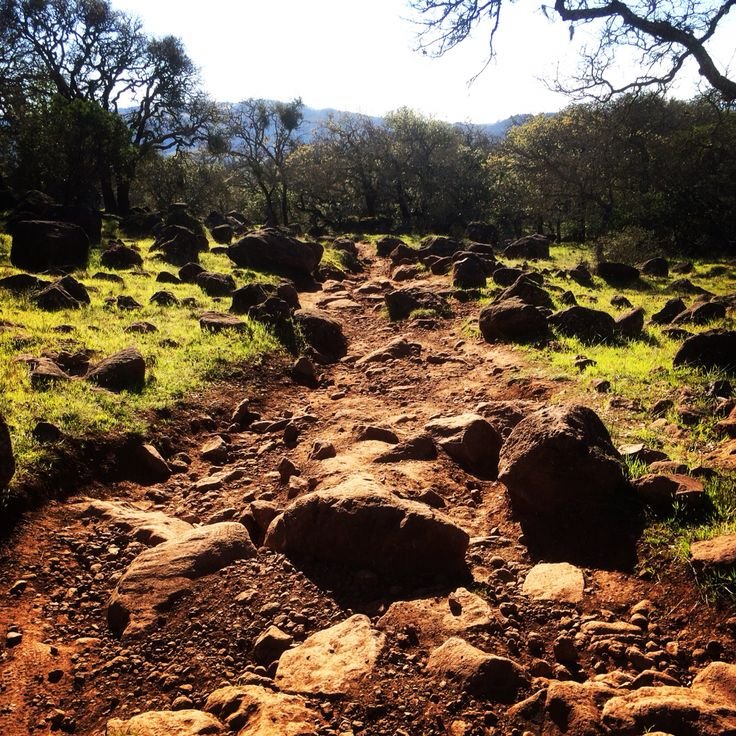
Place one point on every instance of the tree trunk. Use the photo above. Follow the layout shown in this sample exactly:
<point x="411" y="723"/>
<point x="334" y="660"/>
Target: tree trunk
<point x="108" y="196"/>
<point x="123" y="196"/>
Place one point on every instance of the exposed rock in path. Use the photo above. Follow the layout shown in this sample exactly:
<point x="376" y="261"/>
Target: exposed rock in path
<point x="526" y="289"/>
<point x="480" y="674"/>
<point x="163" y="574"/>
<point x="512" y="320"/>
<point x="123" y="371"/>
<point x="373" y="433"/>
<point x="505" y="415"/>
<point x="395" y="350"/>
<point x="331" y="662"/>
<point x="566" y="481"/>
<point x="7" y="460"/>
<point x="437" y="618"/>
<point x="148" y="527"/>
<point x="251" y="710"/>
<point x="708" y="708"/>
<point x="469" y="440"/>
<point x="420" y="447"/>
<point x="713" y="349"/>
<point x="361" y="525"/>
<point x="167" y="723"/>
<point x="555" y="581"/>
<point x="402" y="302"/>
<point x="322" y="333"/>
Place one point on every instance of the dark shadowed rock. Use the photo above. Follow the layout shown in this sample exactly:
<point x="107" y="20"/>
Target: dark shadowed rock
<point x="701" y="314"/>
<point x="274" y="251"/>
<point x="7" y="460"/>
<point x="250" y="295"/>
<point x="40" y="245"/>
<point x="482" y="232"/>
<point x="161" y="575"/>
<point x="387" y="243"/>
<point x="141" y="224"/>
<point x="617" y="274"/>
<point x="189" y="271"/>
<point x="22" y="283"/>
<point x="512" y="320"/>
<point x="402" y="302"/>
<point x="360" y="525"/>
<point x="505" y="276"/>
<point x="178" y="245"/>
<point x="588" y="325"/>
<point x="566" y="482"/>
<point x="530" y="246"/>
<point x="420" y="447"/>
<point x="709" y="350"/>
<point x="322" y="333"/>
<point x="631" y="323"/>
<point x="222" y="234"/>
<point x="526" y="289"/>
<point x="123" y="371"/>
<point x="119" y="255"/>
<point x="661" y="491"/>
<point x="216" y="284"/>
<point x="669" y="311"/>
<point x="46" y="372"/>
<point x="54" y="298"/>
<point x="658" y="267"/>
<point x="165" y="277"/>
<point x="685" y="286"/>
<point x="469" y="273"/>
<point x="581" y="275"/>
<point x="438" y="245"/>
<point x="469" y="440"/>
<point x="164" y="299"/>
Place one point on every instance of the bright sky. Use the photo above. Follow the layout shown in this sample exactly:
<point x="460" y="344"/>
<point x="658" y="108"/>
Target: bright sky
<point x="358" y="56"/>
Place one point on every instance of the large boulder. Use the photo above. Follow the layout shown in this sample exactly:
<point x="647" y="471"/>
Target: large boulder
<point x="322" y="333"/>
<point x="361" y="525"/>
<point x="560" y="459"/>
<point x="469" y="440"/>
<point x="469" y="273"/>
<point x="119" y="255"/>
<point x="7" y="460"/>
<point x="713" y="349"/>
<point x="567" y="484"/>
<point x="530" y="246"/>
<point x="588" y="325"/>
<point x="167" y="723"/>
<point x="42" y="245"/>
<point x="123" y="371"/>
<point x="530" y="292"/>
<point x="161" y="575"/>
<point x="512" y="320"/>
<point x="276" y="252"/>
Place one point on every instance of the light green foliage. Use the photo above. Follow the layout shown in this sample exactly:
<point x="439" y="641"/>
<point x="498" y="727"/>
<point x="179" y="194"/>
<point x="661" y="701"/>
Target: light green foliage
<point x="180" y="357"/>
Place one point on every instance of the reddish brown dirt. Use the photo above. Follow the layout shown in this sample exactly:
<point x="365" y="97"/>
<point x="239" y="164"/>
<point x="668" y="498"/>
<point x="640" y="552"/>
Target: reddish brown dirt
<point x="70" y="673"/>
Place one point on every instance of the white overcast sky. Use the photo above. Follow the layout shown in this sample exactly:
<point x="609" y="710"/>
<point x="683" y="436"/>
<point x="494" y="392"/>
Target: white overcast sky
<point x="358" y="56"/>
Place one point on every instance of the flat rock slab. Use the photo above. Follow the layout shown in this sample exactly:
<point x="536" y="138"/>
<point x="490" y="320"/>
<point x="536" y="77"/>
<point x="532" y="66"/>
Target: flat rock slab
<point x="438" y="618"/>
<point x="360" y="525"/>
<point x="708" y="708"/>
<point x="148" y="527"/>
<point x="555" y="581"/>
<point x="716" y="552"/>
<point x="333" y="661"/>
<point x="163" y="574"/>
<point x="167" y="723"/>
<point x="251" y="710"/>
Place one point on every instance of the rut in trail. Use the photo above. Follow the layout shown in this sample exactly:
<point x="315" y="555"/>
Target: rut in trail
<point x="340" y="558"/>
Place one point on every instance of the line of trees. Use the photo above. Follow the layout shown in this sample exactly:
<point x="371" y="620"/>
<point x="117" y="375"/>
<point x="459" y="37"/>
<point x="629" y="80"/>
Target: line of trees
<point x="94" y="110"/>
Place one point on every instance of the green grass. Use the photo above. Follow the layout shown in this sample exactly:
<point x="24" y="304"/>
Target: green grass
<point x="180" y="357"/>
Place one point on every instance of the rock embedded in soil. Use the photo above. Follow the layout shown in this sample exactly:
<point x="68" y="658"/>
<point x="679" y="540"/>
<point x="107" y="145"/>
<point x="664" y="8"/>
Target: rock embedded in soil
<point x="528" y="291"/>
<point x="420" y="447"/>
<point x="719" y="552"/>
<point x="402" y="302"/>
<point x="710" y="350"/>
<point x="167" y="723"/>
<point x="332" y="662"/>
<point x="588" y="325"/>
<point x="161" y="575"/>
<point x="617" y="274"/>
<point x="661" y="491"/>
<point x="251" y="710"/>
<point x="469" y="440"/>
<point x="43" y="245"/>
<point x="530" y="246"/>
<point x="360" y="525"/>
<point x="220" y="321"/>
<point x="512" y="320"/>
<point x="556" y="581"/>
<point x="479" y="673"/>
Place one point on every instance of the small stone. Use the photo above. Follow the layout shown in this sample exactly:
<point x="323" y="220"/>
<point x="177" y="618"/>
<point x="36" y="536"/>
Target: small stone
<point x="565" y="649"/>
<point x="13" y="638"/>
<point x="322" y="450"/>
<point x="214" y="450"/>
<point x="287" y="469"/>
<point x="18" y="587"/>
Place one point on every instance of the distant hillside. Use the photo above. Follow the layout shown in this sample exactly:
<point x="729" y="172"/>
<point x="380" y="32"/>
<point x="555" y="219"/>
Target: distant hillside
<point x="313" y="117"/>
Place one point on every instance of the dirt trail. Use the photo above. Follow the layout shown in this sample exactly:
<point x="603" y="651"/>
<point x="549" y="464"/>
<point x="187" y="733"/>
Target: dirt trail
<point x="70" y="673"/>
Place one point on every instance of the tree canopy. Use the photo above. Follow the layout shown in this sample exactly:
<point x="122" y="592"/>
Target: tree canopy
<point x="663" y="34"/>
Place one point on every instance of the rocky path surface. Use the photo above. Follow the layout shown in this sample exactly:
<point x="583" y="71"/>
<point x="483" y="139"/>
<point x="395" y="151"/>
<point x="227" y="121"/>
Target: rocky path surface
<point x="339" y="558"/>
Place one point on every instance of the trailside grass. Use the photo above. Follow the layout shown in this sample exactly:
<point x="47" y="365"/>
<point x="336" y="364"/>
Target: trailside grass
<point x="181" y="358"/>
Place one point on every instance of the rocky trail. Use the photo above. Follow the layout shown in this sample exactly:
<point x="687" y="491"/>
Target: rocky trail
<point x="337" y="556"/>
